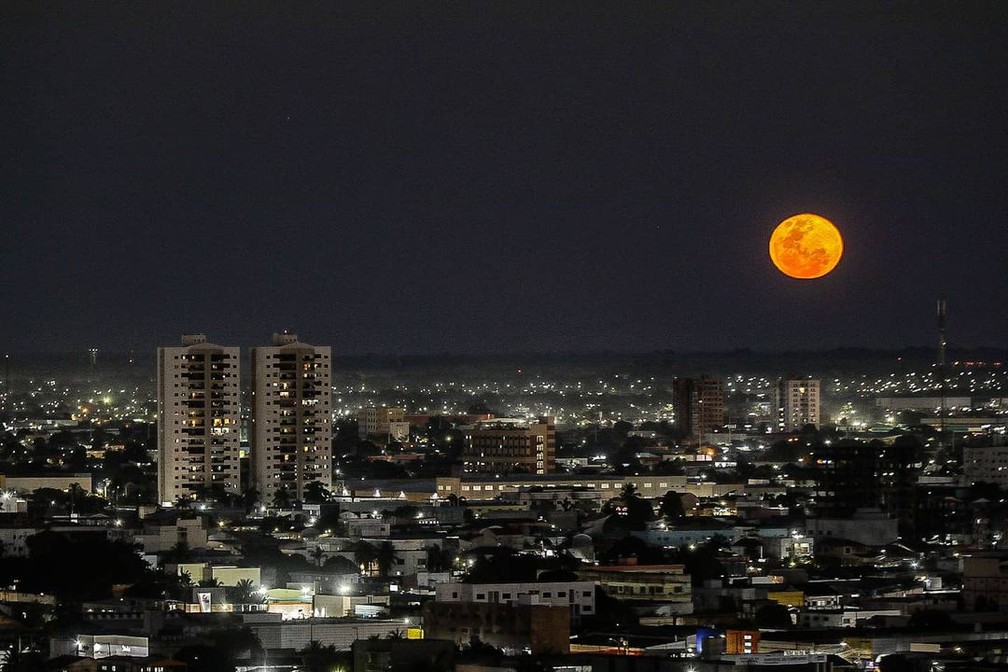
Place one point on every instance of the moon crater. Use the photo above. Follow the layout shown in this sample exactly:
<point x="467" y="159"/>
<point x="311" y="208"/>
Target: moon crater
<point x="806" y="246"/>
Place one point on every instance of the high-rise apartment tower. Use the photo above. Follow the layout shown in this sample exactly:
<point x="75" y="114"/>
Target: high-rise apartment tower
<point x="291" y="429"/>
<point x="198" y="419"/>
<point x="699" y="405"/>
<point x="799" y="403"/>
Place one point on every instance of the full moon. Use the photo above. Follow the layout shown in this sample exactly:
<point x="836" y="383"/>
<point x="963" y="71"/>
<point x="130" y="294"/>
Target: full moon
<point x="806" y="246"/>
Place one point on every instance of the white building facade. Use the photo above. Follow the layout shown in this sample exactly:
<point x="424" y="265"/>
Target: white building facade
<point x="576" y="596"/>
<point x="199" y="397"/>
<point x="799" y="403"/>
<point x="986" y="463"/>
<point x="291" y="430"/>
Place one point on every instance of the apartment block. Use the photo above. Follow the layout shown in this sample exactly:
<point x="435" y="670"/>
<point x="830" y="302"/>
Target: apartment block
<point x="799" y="403"/>
<point x="699" y="405"/>
<point x="510" y="445"/>
<point x="198" y="418"/>
<point x="291" y="428"/>
<point x="385" y="423"/>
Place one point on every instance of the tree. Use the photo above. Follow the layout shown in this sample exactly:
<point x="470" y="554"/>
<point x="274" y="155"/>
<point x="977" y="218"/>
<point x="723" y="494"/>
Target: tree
<point x="385" y="557"/>
<point x="250" y="498"/>
<point x="316" y="493"/>
<point x="406" y="512"/>
<point x="702" y="562"/>
<point x="611" y="613"/>
<point x="179" y="587"/>
<point x="318" y="658"/>
<point x="282" y="498"/>
<point x="340" y="565"/>
<point x="89" y="565"/>
<point x="671" y="506"/>
<point x="629" y="490"/>
<point x="318" y="554"/>
<point x="930" y="619"/>
<point x="773" y="616"/>
<point x="76" y="494"/>
<point x="621" y="428"/>
<point x="478" y="647"/>
<point x="628" y="510"/>
<point x="245" y="592"/>
<point x="178" y="553"/>
<point x="22" y="661"/>
<point x="365" y="556"/>
<point x="229" y="646"/>
<point x="438" y="559"/>
<point x="479" y="407"/>
<point x="633" y="547"/>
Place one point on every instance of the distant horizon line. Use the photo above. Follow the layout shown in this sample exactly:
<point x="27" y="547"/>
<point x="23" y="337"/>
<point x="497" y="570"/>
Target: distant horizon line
<point x="918" y="349"/>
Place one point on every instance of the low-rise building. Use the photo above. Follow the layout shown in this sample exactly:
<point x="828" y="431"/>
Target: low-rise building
<point x="986" y="463"/>
<point x="100" y="646"/>
<point x="296" y="634"/>
<point x="403" y="655"/>
<point x="668" y="584"/>
<point x="162" y="535"/>
<point x="14" y="540"/>
<point x="870" y="527"/>
<point x="539" y="627"/>
<point x="508" y="445"/>
<point x="842" y="618"/>
<point x="226" y="575"/>
<point x="56" y="481"/>
<point x="578" y="597"/>
<point x="985" y="582"/>
<point x="383" y="424"/>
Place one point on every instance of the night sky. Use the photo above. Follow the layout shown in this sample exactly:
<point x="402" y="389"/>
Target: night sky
<point x="499" y="178"/>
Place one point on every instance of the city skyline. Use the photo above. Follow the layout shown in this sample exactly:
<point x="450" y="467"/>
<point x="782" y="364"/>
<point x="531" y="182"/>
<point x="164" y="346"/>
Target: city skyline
<point x="503" y="336"/>
<point x="515" y="180"/>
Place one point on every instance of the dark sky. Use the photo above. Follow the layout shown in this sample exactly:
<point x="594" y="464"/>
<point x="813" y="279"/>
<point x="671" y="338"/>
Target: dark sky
<point x="510" y="177"/>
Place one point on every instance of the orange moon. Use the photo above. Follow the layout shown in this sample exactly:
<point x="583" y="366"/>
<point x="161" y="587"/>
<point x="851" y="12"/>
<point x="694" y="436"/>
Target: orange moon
<point x="806" y="246"/>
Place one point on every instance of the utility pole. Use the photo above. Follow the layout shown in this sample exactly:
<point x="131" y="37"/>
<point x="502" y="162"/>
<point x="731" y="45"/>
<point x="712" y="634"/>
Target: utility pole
<point x="943" y="343"/>
<point x="8" y="398"/>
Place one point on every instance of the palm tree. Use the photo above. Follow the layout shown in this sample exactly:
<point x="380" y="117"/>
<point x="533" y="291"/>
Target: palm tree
<point x="210" y="583"/>
<point x="249" y="499"/>
<point x="75" y="492"/>
<point x="385" y="558"/>
<point x="365" y="556"/>
<point x="316" y="493"/>
<point x="439" y="559"/>
<point x="180" y="586"/>
<point x="282" y="498"/>
<point x="629" y="490"/>
<point x="178" y="553"/>
<point x="18" y="660"/>
<point x="244" y="592"/>
<point x="317" y="553"/>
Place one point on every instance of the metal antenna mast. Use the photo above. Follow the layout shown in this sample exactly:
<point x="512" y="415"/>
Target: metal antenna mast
<point x="941" y="371"/>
